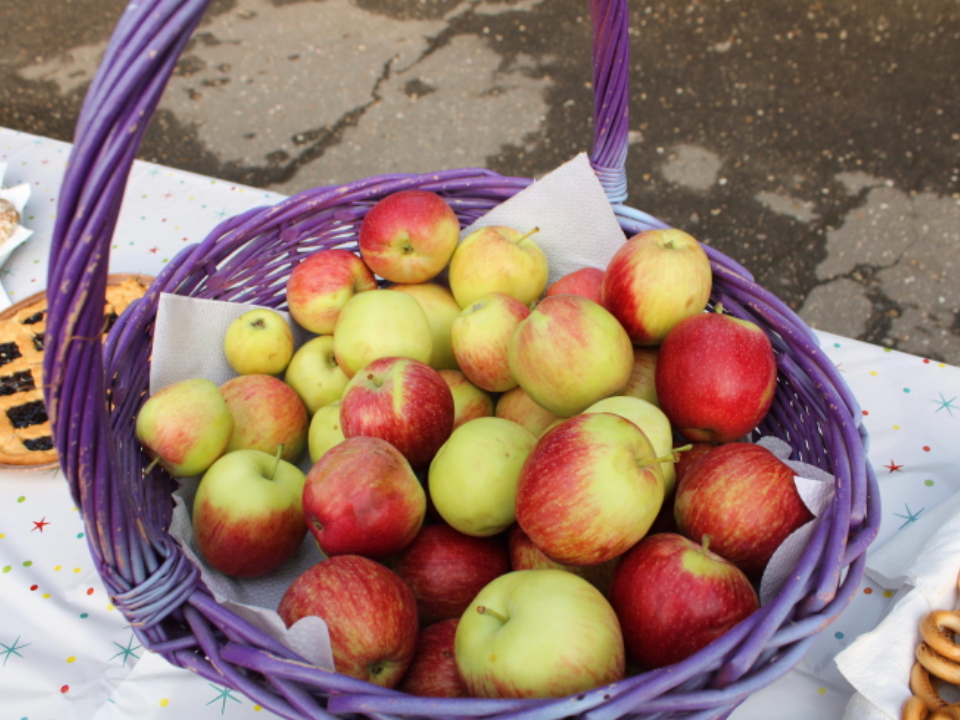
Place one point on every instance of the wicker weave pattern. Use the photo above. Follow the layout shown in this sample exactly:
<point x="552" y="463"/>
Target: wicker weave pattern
<point x="247" y="259"/>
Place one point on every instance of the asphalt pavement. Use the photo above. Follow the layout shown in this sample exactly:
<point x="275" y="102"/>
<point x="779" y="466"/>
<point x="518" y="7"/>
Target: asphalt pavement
<point x="818" y="142"/>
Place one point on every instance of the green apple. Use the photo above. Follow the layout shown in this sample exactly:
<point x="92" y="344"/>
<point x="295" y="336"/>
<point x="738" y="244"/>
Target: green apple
<point x="538" y="634"/>
<point x="315" y="374"/>
<point x="185" y="426"/>
<point x="469" y="401"/>
<point x="247" y="513"/>
<point x="569" y="353"/>
<point x="325" y="431"/>
<point x="498" y="259"/>
<point x="473" y="478"/>
<point x="259" y="342"/>
<point x="379" y="324"/>
<point x="441" y="309"/>
<point x="654" y="424"/>
<point x="517" y="406"/>
<point x="267" y="414"/>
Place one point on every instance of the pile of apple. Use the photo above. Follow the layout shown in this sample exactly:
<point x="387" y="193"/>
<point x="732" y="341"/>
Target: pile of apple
<point x="494" y="474"/>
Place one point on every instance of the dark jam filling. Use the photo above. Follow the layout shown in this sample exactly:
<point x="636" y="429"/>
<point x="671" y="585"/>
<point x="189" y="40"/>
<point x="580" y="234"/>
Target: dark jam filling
<point x="110" y="318"/>
<point x="35" y="318"/>
<point x="40" y="443"/>
<point x="38" y="342"/>
<point x="8" y="352"/>
<point x="31" y="413"/>
<point x="18" y="382"/>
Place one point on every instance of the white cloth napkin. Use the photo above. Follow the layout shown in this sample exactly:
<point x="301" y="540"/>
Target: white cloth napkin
<point x="18" y="197"/>
<point x="920" y="565"/>
<point x="577" y="225"/>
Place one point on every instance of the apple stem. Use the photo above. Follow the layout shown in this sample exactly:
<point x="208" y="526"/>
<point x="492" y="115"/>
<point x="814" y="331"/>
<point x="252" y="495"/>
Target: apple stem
<point x="705" y="542"/>
<point x="151" y="466"/>
<point x="718" y="308"/>
<point x="484" y="610"/>
<point x="532" y="232"/>
<point x="276" y="465"/>
<point x="672" y="457"/>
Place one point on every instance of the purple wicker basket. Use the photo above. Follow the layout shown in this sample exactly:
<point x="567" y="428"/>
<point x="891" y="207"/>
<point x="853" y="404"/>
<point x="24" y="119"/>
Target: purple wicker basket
<point x="94" y="390"/>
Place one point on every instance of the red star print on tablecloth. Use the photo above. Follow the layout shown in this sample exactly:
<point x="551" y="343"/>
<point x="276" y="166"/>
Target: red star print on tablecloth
<point x="40" y="524"/>
<point x="893" y="467"/>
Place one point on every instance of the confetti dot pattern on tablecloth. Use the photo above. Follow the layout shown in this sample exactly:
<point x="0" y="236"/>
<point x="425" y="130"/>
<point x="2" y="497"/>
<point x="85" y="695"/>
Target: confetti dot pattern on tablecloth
<point x="838" y="635"/>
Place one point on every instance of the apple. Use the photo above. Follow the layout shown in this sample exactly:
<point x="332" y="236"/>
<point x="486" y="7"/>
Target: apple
<point x="569" y="353"/>
<point x="711" y="501"/>
<point x="642" y="383"/>
<point x="258" y="342"/>
<point x="325" y="431"/>
<point x="524" y="555"/>
<point x="267" y="414"/>
<point x="446" y="569"/>
<point x="433" y="672"/>
<point x="590" y="489"/>
<point x="585" y="282"/>
<point x="379" y="324"/>
<point x="473" y="479"/>
<point x="655" y="280"/>
<point x="538" y="634"/>
<point x="370" y="613"/>
<point x="517" y="406"/>
<point x="686" y="458"/>
<point x="362" y="498"/>
<point x="716" y="377"/>
<point x="498" y="259"/>
<point x="185" y="426"/>
<point x="674" y="597"/>
<point x="247" y="514"/>
<point x="315" y="374"/>
<point x="409" y="236"/>
<point x="441" y="309"/>
<point x="321" y="285"/>
<point x="480" y="337"/>
<point x="469" y="401"/>
<point x="402" y="401"/>
<point x="654" y="424"/>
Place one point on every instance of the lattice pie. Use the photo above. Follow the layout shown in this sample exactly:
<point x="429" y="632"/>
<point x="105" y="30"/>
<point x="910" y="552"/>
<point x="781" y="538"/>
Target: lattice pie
<point x="24" y="427"/>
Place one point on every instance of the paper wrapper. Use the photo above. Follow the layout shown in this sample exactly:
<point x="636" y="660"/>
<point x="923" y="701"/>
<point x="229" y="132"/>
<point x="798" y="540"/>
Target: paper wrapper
<point x="920" y="565"/>
<point x="18" y="197"/>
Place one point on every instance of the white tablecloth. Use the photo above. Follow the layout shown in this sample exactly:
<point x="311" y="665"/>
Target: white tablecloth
<point x="66" y="653"/>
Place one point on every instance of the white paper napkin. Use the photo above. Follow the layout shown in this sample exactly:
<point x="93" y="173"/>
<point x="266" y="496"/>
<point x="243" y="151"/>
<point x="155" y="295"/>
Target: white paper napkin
<point x="577" y="225"/>
<point x="920" y="564"/>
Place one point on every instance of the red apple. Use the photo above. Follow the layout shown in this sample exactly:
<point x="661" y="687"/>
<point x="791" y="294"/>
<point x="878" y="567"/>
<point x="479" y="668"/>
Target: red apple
<point x="446" y="569"/>
<point x="642" y="383"/>
<point x="409" y="236"/>
<point x="517" y="406"/>
<point x="524" y="555"/>
<point x="321" y="285"/>
<point x="745" y="498"/>
<point x="267" y="414"/>
<point x="403" y="401"/>
<point x="585" y="282"/>
<point x="363" y="498"/>
<point x="716" y="377"/>
<point x="370" y="613"/>
<point x="590" y="489"/>
<point x="433" y="672"/>
<point x="655" y="280"/>
<point x="674" y="597"/>
<point x="687" y="458"/>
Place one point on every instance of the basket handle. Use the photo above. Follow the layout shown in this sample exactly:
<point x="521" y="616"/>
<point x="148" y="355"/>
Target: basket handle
<point x="123" y="96"/>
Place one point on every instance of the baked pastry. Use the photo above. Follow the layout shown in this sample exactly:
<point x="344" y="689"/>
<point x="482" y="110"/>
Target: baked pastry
<point x="25" y="440"/>
<point x="9" y="219"/>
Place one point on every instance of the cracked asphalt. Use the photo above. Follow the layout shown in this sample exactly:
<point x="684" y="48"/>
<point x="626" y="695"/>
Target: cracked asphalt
<point x="818" y="142"/>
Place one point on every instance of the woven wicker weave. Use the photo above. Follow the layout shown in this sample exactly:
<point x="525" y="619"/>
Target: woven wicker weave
<point x="247" y="259"/>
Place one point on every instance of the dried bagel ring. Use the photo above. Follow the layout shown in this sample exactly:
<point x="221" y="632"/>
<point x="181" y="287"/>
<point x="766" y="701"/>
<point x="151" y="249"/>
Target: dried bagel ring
<point x="938" y="629"/>
<point x="914" y="709"/>
<point x="942" y="667"/>
<point x="925" y="687"/>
